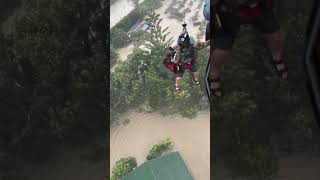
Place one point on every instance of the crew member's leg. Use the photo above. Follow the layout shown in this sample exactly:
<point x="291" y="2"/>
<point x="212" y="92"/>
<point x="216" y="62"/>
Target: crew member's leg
<point x="178" y="82"/>
<point x="218" y="57"/>
<point x="179" y="78"/>
<point x="276" y="43"/>
<point x="221" y="47"/>
<point x="196" y="74"/>
<point x="268" y="25"/>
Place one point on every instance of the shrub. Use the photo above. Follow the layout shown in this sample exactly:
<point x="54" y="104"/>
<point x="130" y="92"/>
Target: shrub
<point x="113" y="117"/>
<point x="146" y="108"/>
<point x="137" y="37"/>
<point x="119" y="38"/>
<point x="126" y="121"/>
<point x="158" y="149"/>
<point x="181" y="5"/>
<point x="113" y="56"/>
<point x="186" y="100"/>
<point x="123" y="167"/>
<point x="127" y="82"/>
<point x="189" y="112"/>
<point x="157" y="91"/>
<point x="151" y="4"/>
<point x="187" y="10"/>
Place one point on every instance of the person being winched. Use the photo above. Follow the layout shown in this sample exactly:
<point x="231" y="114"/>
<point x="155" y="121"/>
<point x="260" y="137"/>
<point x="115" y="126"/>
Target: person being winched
<point x="182" y="57"/>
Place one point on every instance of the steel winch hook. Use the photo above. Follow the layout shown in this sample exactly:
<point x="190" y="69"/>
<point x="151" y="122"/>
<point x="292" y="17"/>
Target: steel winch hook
<point x="184" y="27"/>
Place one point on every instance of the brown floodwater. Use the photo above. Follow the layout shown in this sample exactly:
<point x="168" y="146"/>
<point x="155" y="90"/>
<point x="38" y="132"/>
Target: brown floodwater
<point x="191" y="138"/>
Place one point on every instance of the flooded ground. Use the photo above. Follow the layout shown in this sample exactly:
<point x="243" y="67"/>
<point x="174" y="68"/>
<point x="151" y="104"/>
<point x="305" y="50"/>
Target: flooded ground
<point x="191" y="138"/>
<point x="193" y="19"/>
<point x="124" y="52"/>
<point x="119" y="10"/>
<point x="191" y="9"/>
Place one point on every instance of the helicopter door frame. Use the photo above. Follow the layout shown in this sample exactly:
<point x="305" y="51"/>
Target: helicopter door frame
<point x="309" y="60"/>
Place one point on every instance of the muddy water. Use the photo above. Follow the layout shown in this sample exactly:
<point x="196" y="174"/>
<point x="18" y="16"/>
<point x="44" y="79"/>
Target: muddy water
<point x="191" y="138"/>
<point x="174" y="25"/>
<point x="119" y="10"/>
<point x="124" y="52"/>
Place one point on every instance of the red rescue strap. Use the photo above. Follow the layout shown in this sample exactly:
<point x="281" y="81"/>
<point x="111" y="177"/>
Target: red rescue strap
<point x="249" y="13"/>
<point x="170" y="66"/>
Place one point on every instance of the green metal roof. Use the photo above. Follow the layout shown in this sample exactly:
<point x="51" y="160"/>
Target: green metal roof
<point x="167" y="167"/>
